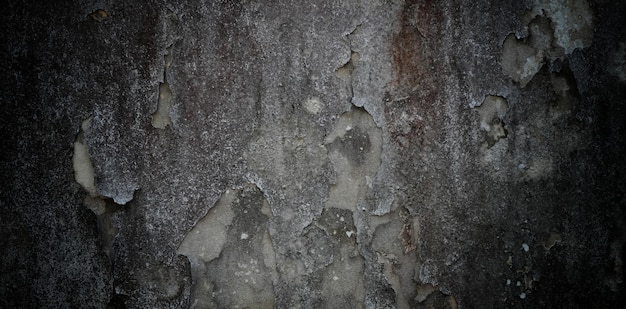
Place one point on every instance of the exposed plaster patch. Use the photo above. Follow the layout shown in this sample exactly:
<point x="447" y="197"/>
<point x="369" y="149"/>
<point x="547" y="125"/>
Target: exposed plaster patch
<point x="616" y="280"/>
<point x="355" y="148"/>
<point x="430" y="296"/>
<point x="231" y="255"/>
<point x="492" y="158"/>
<point x="84" y="173"/>
<point x="555" y="29"/>
<point x="161" y="118"/>
<point x="204" y="243"/>
<point x="342" y="281"/>
<point x="81" y="161"/>
<point x="345" y="71"/>
<point x="539" y="168"/>
<point x="207" y="238"/>
<point x="100" y="205"/>
<point x="572" y="22"/>
<point x="95" y="204"/>
<point x="395" y="240"/>
<point x="519" y="61"/>
<point x="269" y="255"/>
<point x="492" y="112"/>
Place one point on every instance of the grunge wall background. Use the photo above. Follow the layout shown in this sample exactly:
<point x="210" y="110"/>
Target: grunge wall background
<point x="313" y="154"/>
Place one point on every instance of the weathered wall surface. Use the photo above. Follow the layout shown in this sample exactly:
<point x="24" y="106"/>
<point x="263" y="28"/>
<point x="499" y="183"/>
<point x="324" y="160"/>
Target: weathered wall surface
<point x="313" y="154"/>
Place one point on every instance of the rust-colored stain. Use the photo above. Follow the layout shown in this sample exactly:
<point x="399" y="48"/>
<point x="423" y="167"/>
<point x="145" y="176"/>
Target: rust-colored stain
<point x="411" y="47"/>
<point x="414" y="87"/>
<point x="406" y="239"/>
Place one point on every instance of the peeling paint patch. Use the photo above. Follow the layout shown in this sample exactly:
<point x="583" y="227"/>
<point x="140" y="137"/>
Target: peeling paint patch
<point x="395" y="241"/>
<point x="345" y="71"/>
<point x="161" y="118"/>
<point x="81" y="161"/>
<point x="342" y="281"/>
<point x="102" y="206"/>
<point x="492" y="112"/>
<point x="520" y="62"/>
<point x="572" y="22"/>
<point x="555" y="29"/>
<point x="354" y="148"/>
<point x="231" y="254"/>
<point x="205" y="242"/>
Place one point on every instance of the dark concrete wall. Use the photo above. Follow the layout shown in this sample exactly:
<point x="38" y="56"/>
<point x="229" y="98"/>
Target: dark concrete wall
<point x="317" y="154"/>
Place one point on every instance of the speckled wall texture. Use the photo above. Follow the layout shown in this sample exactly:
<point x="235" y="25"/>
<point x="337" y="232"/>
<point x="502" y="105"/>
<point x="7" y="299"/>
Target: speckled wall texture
<point x="313" y="154"/>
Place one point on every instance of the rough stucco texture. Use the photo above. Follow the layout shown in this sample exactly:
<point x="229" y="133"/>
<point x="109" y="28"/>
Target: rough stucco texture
<point x="312" y="154"/>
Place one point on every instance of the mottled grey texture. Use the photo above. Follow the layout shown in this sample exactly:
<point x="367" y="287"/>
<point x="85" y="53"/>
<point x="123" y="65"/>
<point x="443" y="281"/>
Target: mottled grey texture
<point x="363" y="154"/>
